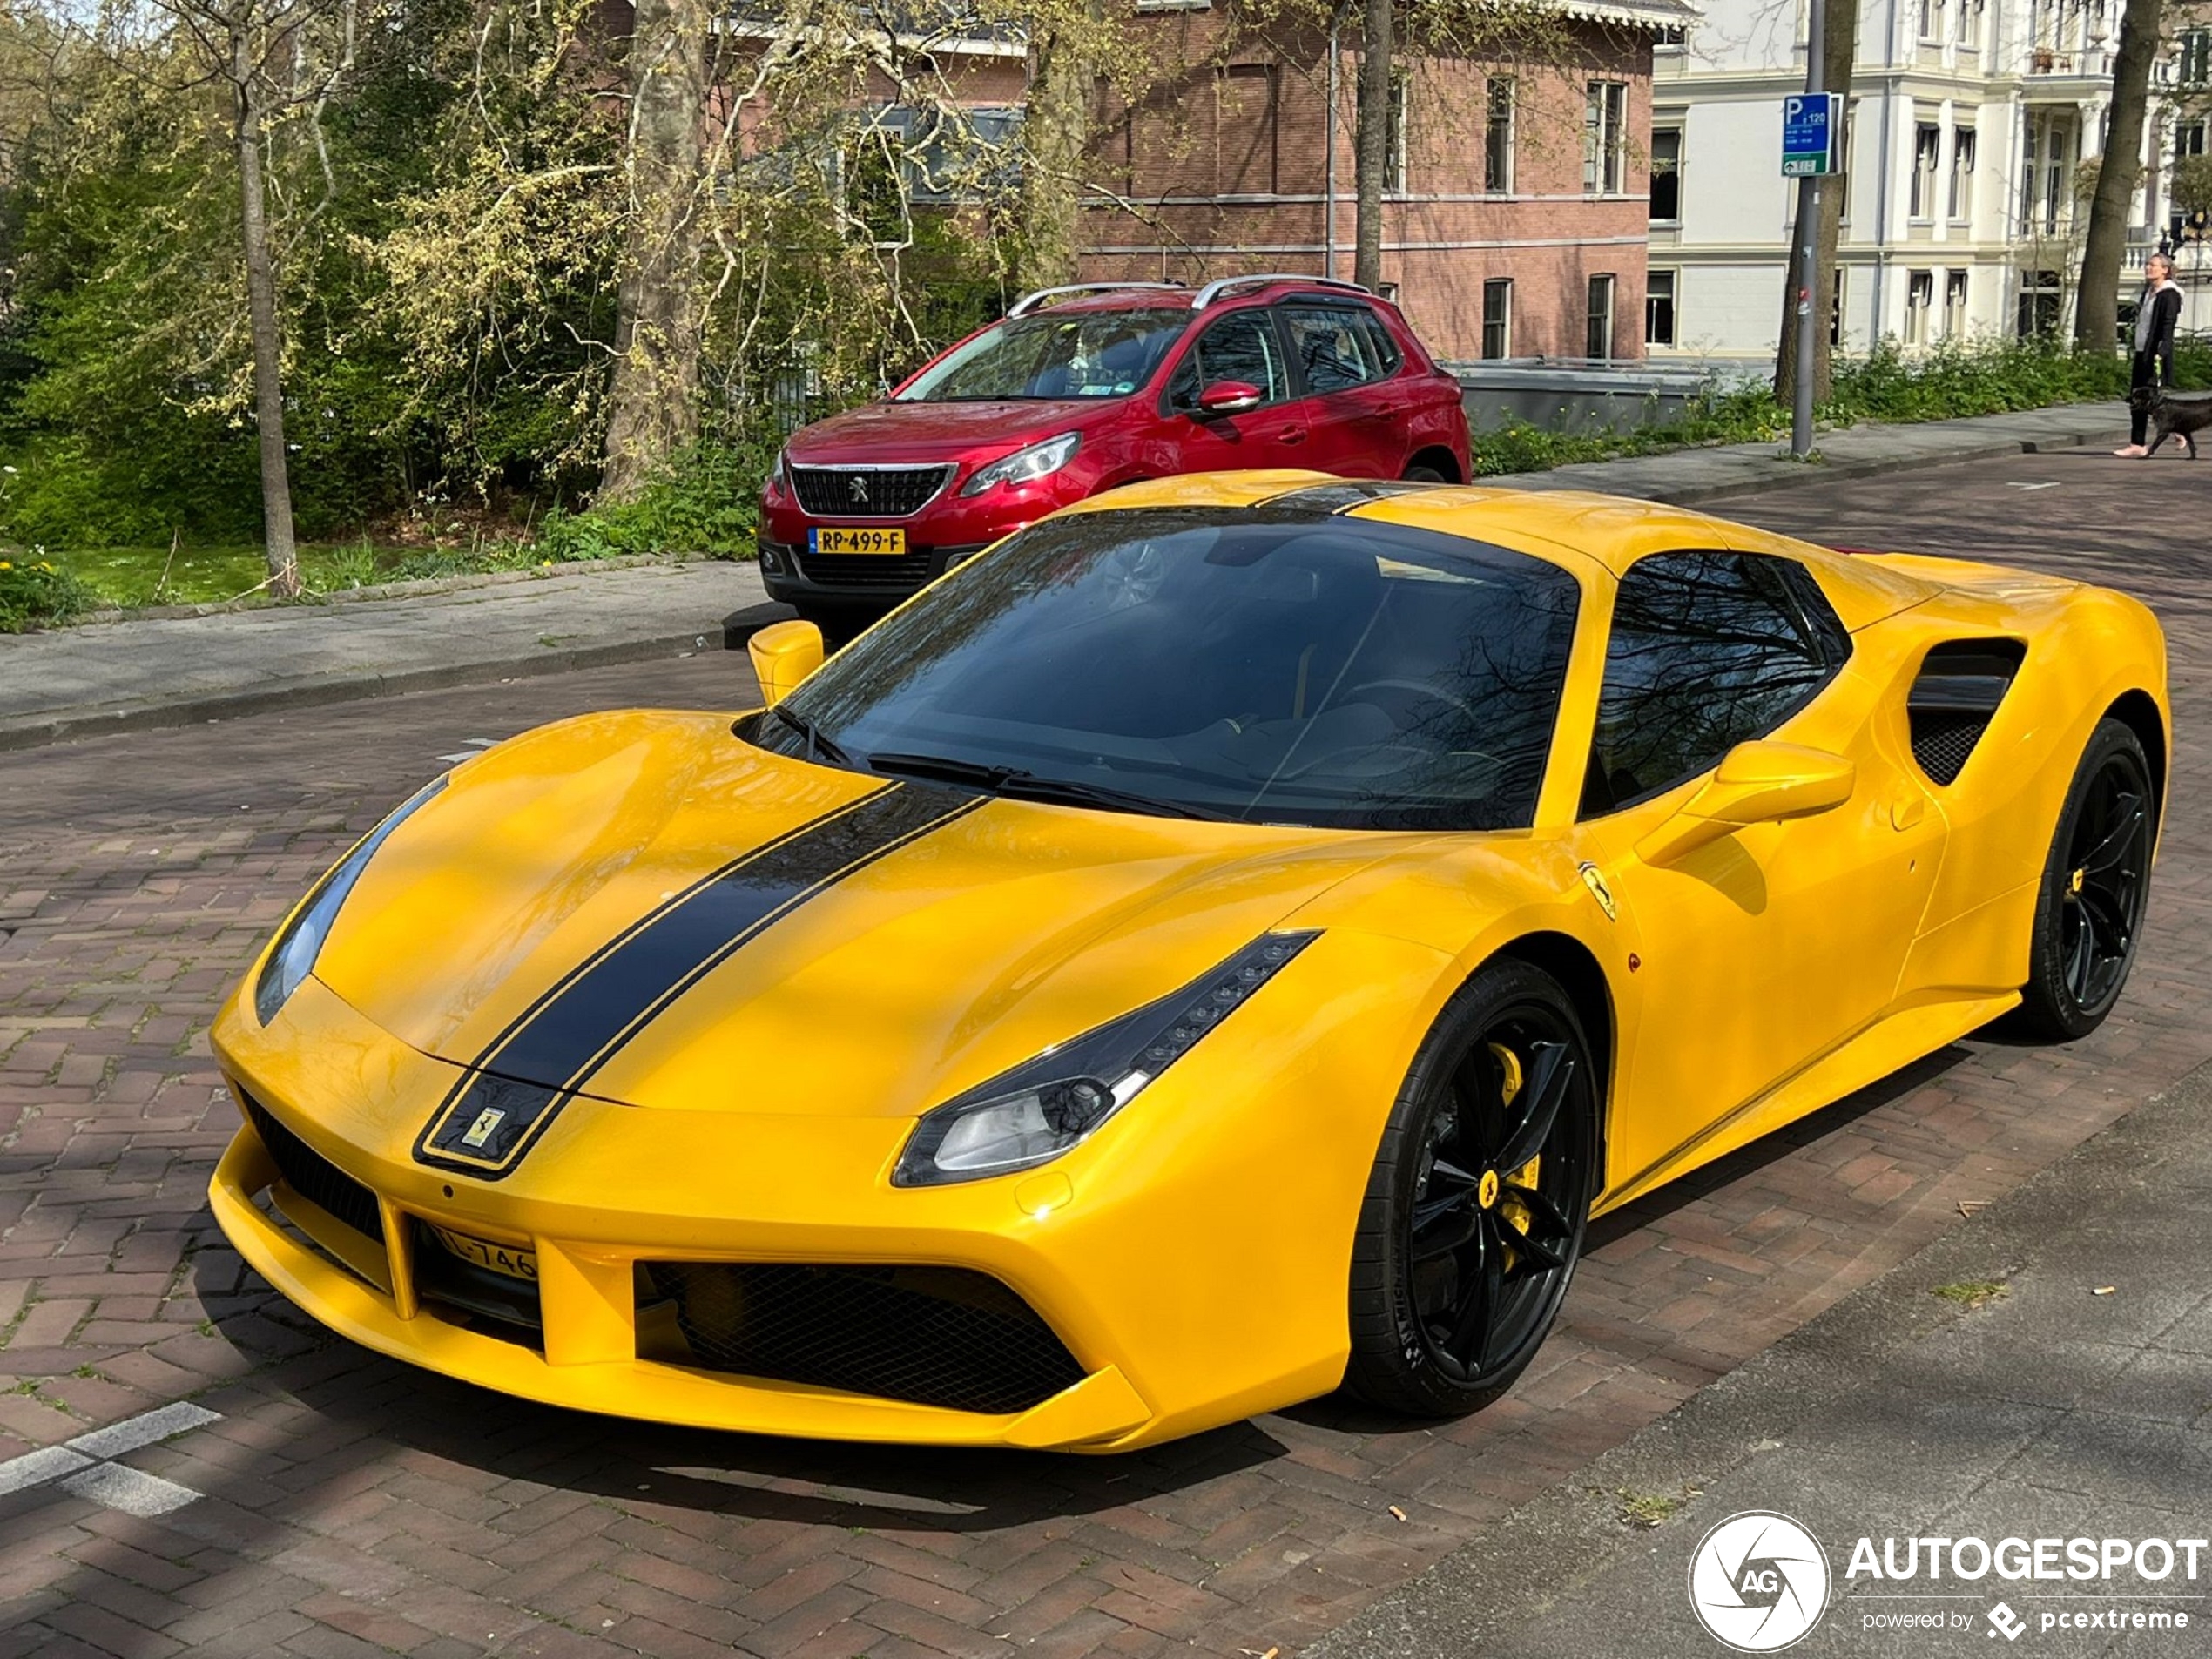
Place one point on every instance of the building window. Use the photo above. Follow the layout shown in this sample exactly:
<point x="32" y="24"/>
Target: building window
<point x="1843" y="160"/>
<point x="1835" y="310"/>
<point x="1605" y="133"/>
<point x="1962" y="173"/>
<point x="1395" y="134"/>
<point x="1970" y="24"/>
<point x="2194" y="67"/>
<point x="1666" y="175"/>
<point x="1497" y="317"/>
<point x="1954" y="305"/>
<point x="1919" y="299"/>
<point x="1599" y="344"/>
<point x="1928" y="148"/>
<point x="2189" y="140"/>
<point x="1930" y="12"/>
<point x="1659" y="307"/>
<point x="2039" y="304"/>
<point x="1497" y="149"/>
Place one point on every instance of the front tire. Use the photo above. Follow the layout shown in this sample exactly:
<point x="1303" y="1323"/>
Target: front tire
<point x="1475" y="1208"/>
<point x="2096" y="881"/>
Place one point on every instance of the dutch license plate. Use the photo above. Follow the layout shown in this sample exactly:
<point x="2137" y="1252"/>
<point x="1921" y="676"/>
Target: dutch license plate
<point x="511" y="1259"/>
<point x="849" y="539"/>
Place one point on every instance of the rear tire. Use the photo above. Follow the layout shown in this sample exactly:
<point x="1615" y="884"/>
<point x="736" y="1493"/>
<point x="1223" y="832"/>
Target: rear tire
<point x="1424" y="474"/>
<point x="2096" y="881"/>
<point x="1460" y="1263"/>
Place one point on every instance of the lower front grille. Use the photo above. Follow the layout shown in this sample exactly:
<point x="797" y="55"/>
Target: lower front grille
<point x="934" y="1335"/>
<point x="867" y="492"/>
<point x="314" y="1178"/>
<point x="866" y="570"/>
<point x="508" y="1305"/>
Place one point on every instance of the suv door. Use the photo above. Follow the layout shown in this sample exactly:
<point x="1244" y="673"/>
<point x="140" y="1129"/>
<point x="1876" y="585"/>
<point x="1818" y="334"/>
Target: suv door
<point x="1780" y="940"/>
<point x="1242" y="346"/>
<point x="1354" y="407"/>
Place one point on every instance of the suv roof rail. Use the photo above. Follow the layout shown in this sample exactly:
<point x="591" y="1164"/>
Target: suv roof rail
<point x="1029" y="302"/>
<point x="1213" y="290"/>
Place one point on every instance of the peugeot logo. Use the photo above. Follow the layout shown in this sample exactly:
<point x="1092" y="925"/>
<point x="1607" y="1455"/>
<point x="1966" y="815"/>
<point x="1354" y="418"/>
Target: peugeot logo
<point x="860" y="489"/>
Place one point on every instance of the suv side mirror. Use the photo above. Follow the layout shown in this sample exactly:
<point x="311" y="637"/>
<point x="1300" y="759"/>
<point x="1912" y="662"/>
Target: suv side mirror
<point x="1230" y="397"/>
<point x="784" y="654"/>
<point x="1758" y="783"/>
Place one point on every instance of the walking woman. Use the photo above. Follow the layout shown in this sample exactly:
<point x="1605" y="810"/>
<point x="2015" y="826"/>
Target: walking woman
<point x="2156" y="314"/>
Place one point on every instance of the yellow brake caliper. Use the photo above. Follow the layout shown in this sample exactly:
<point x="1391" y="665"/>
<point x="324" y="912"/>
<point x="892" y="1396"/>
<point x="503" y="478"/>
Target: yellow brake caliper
<point x="1502" y="1193"/>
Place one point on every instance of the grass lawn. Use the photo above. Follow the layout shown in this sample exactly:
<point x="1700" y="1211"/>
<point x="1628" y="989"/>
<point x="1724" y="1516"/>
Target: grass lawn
<point x="139" y="575"/>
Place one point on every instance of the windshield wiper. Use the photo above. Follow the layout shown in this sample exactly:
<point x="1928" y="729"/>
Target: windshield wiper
<point x="819" y="746"/>
<point x="1014" y="782"/>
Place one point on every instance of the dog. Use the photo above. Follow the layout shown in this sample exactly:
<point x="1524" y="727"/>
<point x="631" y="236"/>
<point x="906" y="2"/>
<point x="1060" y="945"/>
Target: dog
<point x="2171" y="416"/>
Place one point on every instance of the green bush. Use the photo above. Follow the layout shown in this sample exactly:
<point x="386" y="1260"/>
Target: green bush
<point x="708" y="503"/>
<point x="34" y="592"/>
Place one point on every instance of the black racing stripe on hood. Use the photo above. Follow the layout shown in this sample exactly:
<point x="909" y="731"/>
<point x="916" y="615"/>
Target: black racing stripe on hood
<point x="505" y="1100"/>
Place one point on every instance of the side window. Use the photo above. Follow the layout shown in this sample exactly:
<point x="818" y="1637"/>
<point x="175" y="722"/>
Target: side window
<point x="1382" y="349"/>
<point x="1241" y="347"/>
<point x="1333" y="349"/>
<point x="1708" y="649"/>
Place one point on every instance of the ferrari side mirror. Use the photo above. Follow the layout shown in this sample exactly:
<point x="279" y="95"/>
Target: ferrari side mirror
<point x="1758" y="783"/>
<point x="1228" y="397"/>
<point x="784" y="654"/>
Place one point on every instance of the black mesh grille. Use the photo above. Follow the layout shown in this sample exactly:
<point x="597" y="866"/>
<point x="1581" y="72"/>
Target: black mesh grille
<point x="1942" y="742"/>
<point x="863" y="492"/>
<point x="314" y="1178"/>
<point x="1953" y="698"/>
<point x="936" y="1336"/>
<point x="907" y="572"/>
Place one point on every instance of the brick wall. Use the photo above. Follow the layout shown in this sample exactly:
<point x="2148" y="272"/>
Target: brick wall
<point x="1224" y="168"/>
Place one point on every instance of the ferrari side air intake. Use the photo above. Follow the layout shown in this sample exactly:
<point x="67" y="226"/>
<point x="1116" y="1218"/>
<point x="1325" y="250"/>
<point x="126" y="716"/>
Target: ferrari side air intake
<point x="1961" y="684"/>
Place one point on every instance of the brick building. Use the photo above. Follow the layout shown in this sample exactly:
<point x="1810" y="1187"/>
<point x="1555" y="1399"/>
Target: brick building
<point x="1517" y="222"/>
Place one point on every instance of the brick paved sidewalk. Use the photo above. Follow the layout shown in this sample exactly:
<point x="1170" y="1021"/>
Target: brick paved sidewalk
<point x="342" y="1504"/>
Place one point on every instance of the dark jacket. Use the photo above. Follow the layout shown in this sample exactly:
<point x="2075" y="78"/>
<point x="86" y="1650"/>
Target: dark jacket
<point x="2155" y="322"/>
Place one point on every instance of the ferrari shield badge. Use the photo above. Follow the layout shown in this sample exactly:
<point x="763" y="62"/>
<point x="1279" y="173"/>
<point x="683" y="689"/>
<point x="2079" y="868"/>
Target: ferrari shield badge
<point x="1603" y="894"/>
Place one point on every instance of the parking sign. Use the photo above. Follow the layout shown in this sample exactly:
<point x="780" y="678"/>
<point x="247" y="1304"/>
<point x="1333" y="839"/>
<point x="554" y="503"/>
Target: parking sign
<point x="1810" y="125"/>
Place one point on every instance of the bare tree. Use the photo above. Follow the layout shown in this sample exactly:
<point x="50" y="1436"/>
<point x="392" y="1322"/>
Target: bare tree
<point x="2096" y="312"/>
<point x="1371" y="145"/>
<point x="277" y="59"/>
<point x="1839" y="52"/>
<point x="653" y="402"/>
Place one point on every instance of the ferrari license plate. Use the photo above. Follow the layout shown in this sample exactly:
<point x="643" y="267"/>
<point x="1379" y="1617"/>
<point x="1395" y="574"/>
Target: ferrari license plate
<point x="838" y="538"/>
<point x="511" y="1259"/>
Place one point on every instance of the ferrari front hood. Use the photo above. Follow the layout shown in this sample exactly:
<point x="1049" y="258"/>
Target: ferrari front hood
<point x="644" y="909"/>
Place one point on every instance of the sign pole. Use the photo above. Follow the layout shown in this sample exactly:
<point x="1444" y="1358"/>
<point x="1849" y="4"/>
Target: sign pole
<point x="1808" y="261"/>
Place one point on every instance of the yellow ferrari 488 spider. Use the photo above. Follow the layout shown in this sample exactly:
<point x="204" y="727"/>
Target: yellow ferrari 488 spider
<point x="1222" y="944"/>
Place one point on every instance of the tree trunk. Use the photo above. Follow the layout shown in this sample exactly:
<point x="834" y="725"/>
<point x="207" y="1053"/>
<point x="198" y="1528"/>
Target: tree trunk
<point x="1054" y="127"/>
<point x="1370" y="142"/>
<point x="2096" y="311"/>
<point x="1839" y="50"/>
<point x="652" y="405"/>
<point x="282" y="553"/>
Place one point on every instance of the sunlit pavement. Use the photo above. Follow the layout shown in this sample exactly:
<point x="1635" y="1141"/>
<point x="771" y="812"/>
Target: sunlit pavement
<point x="340" y="1503"/>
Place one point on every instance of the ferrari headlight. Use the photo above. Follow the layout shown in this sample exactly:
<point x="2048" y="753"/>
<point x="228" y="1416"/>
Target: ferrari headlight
<point x="1026" y="466"/>
<point x="1041" y="1109"/>
<point x="300" y="942"/>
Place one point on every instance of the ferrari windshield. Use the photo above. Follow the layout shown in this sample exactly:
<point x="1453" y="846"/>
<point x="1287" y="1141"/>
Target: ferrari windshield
<point x="1081" y="353"/>
<point x="1267" y="668"/>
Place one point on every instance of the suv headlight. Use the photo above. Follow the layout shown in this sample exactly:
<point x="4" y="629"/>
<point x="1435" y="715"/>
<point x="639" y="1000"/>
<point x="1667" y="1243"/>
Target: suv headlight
<point x="300" y="942"/>
<point x="1043" y="1107"/>
<point x="1026" y="466"/>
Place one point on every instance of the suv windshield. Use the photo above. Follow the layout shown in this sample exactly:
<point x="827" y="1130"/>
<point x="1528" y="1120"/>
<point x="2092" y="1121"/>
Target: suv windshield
<point x="1083" y="354"/>
<point x="1319" y="670"/>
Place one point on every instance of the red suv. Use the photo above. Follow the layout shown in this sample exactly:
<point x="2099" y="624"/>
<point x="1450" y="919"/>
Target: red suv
<point x="1082" y="389"/>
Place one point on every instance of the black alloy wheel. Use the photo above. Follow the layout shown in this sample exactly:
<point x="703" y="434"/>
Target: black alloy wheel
<point x="1475" y="1209"/>
<point x="2096" y="882"/>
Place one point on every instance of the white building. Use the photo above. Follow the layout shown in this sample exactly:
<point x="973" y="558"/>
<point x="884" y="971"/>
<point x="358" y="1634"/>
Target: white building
<point x="1967" y="128"/>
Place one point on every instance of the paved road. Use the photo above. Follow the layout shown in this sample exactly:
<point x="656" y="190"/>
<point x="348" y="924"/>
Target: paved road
<point x="342" y="1504"/>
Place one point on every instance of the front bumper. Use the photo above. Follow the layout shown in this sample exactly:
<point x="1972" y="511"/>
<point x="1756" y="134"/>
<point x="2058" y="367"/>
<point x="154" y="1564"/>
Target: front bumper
<point x="1178" y="1306"/>
<point x="793" y="576"/>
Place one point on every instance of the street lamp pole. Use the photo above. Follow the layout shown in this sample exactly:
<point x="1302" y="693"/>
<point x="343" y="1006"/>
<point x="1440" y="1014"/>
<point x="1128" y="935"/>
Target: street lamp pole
<point x="1808" y="253"/>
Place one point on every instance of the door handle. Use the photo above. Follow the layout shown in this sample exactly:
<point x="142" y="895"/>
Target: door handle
<point x="1291" y="435"/>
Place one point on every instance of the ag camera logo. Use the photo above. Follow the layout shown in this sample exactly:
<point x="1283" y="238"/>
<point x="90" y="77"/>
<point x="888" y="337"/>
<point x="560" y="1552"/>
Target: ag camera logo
<point x="1759" y="1582"/>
